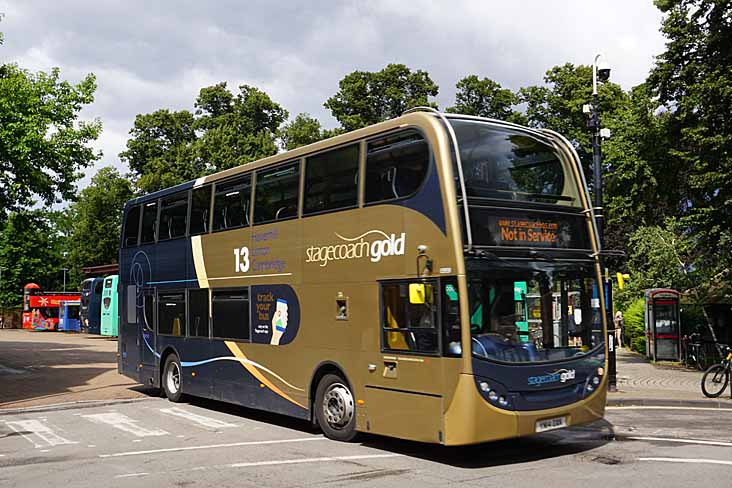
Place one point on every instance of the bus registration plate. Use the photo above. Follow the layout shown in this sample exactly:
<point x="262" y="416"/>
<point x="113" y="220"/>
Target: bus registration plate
<point x="551" y="424"/>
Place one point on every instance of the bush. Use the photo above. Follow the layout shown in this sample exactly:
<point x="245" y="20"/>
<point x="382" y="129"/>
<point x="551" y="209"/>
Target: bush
<point x="635" y="333"/>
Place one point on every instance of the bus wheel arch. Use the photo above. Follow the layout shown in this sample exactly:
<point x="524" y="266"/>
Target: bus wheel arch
<point x="170" y="366"/>
<point x="330" y="384"/>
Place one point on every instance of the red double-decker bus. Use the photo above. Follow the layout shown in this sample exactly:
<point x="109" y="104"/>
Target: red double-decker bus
<point x="41" y="309"/>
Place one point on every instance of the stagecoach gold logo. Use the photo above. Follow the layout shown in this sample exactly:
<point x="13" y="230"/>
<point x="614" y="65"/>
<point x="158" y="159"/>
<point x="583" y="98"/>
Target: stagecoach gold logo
<point x="367" y="245"/>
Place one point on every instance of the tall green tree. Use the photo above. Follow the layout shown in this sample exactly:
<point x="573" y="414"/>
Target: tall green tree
<point x="227" y="130"/>
<point x="236" y="129"/>
<point x="301" y="131"/>
<point x="31" y="250"/>
<point x="160" y="151"/>
<point x="484" y="98"/>
<point x="43" y="144"/>
<point x="96" y="220"/>
<point x="365" y="97"/>
<point x="693" y="80"/>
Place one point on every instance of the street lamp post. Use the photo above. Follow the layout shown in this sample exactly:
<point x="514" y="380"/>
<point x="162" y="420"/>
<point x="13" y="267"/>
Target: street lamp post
<point x="64" y="270"/>
<point x="601" y="72"/>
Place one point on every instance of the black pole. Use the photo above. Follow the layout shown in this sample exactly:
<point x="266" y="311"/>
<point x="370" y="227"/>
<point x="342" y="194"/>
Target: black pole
<point x="600" y="218"/>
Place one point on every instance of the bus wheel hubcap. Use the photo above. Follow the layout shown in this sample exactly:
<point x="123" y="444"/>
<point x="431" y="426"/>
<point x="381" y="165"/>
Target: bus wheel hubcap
<point x="173" y="378"/>
<point x="338" y="406"/>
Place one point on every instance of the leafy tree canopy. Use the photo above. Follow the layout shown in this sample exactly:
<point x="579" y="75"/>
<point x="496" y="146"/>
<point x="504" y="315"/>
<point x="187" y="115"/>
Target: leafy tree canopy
<point x="43" y="144"/>
<point x="236" y="129"/>
<point x="693" y="79"/>
<point x="30" y="251"/>
<point x="227" y="130"/>
<point x="301" y="131"/>
<point x="366" y="98"/>
<point x="96" y="220"/>
<point x="484" y="98"/>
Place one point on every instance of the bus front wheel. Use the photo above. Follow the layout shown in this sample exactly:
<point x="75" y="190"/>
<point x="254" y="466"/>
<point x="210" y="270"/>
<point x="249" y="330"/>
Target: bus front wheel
<point x="335" y="408"/>
<point x="172" y="379"/>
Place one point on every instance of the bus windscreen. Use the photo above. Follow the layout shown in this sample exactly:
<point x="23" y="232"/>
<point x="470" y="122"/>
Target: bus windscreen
<point x="506" y="164"/>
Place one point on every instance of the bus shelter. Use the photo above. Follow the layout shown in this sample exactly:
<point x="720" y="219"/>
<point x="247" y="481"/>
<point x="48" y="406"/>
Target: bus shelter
<point x="68" y="320"/>
<point x="662" y="324"/>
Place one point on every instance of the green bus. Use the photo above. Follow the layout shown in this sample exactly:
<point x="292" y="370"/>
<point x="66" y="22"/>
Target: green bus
<point x="110" y="308"/>
<point x="432" y="277"/>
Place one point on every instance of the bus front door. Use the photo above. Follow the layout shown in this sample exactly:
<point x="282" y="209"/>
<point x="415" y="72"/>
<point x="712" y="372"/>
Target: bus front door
<point x="148" y="343"/>
<point x="404" y="390"/>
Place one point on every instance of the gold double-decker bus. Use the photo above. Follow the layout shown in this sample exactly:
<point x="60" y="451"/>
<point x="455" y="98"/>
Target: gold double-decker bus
<point x="433" y="277"/>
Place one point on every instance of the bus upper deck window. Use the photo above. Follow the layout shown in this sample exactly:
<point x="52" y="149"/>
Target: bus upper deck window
<point x="132" y="226"/>
<point x="173" y="215"/>
<point x="231" y="203"/>
<point x="331" y="180"/>
<point x="396" y="166"/>
<point x="276" y="193"/>
<point x="149" y="222"/>
<point x="200" y="205"/>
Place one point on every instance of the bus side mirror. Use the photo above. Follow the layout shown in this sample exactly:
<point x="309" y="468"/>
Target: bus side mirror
<point x="417" y="293"/>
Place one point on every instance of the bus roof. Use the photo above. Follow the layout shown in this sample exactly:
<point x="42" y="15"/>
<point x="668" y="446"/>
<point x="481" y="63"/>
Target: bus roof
<point x="425" y="115"/>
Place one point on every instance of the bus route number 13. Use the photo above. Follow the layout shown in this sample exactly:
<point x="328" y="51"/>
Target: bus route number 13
<point x="241" y="258"/>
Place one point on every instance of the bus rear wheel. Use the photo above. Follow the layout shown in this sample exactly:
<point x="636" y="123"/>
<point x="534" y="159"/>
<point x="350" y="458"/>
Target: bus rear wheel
<point x="173" y="379"/>
<point x="335" y="408"/>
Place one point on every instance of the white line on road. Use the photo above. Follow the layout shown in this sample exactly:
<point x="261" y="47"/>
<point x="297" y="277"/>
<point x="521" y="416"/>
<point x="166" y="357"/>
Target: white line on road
<point x="212" y="446"/>
<point x="687" y="460"/>
<point x="706" y="409"/>
<point x="200" y="420"/>
<point x="312" y="460"/>
<point x="131" y="475"/>
<point x="682" y="441"/>
<point x="274" y="463"/>
<point x="40" y="430"/>
<point x="123" y="423"/>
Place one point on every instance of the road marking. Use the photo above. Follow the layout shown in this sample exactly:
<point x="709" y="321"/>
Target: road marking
<point x="312" y="460"/>
<point x="273" y="463"/>
<point x="706" y="409"/>
<point x="8" y="370"/>
<point x="682" y="441"/>
<point x="212" y="446"/>
<point x="123" y="423"/>
<point x="200" y="420"/>
<point x="131" y="475"/>
<point x="687" y="460"/>
<point x="40" y="430"/>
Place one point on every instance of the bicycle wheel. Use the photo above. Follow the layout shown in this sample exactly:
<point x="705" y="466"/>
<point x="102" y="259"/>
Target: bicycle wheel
<point x="715" y="381"/>
<point x="701" y="360"/>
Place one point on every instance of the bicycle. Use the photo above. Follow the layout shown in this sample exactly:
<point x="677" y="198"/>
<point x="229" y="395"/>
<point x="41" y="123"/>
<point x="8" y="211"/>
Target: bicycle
<point x="694" y="354"/>
<point x="716" y="377"/>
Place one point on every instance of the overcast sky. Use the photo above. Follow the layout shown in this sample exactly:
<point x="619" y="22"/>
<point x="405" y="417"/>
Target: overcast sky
<point x="152" y="55"/>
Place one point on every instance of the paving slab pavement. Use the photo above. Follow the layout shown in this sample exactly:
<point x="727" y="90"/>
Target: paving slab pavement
<point x="41" y="368"/>
<point x="641" y="382"/>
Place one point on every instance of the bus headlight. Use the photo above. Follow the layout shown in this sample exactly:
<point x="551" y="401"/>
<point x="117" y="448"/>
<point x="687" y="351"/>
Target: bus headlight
<point x="484" y="386"/>
<point x="493" y="396"/>
<point x="595" y="381"/>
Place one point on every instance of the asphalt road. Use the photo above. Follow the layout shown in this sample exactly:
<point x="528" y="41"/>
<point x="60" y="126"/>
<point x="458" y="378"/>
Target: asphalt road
<point x="152" y="442"/>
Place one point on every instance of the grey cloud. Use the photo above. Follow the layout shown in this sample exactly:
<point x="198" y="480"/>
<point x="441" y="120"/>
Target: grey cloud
<point x="151" y="55"/>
